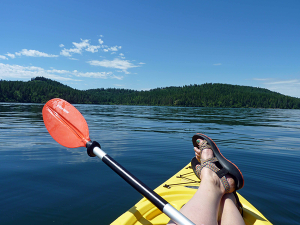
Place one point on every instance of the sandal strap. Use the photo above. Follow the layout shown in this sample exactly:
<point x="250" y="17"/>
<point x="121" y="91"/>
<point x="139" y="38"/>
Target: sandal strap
<point x="221" y="173"/>
<point x="198" y="170"/>
<point x="225" y="184"/>
<point x="212" y="160"/>
<point x="203" y="163"/>
<point x="203" y="145"/>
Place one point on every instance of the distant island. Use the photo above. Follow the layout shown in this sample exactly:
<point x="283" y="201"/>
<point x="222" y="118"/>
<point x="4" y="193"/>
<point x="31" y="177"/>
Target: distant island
<point x="40" y="90"/>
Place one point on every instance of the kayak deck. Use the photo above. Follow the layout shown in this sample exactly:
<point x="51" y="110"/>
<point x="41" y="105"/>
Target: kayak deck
<point x="178" y="190"/>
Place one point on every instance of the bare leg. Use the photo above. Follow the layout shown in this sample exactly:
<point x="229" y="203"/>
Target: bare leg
<point x="204" y="205"/>
<point x="229" y="214"/>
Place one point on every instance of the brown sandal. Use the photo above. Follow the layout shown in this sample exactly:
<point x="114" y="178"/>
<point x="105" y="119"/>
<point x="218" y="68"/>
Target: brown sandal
<point x="219" y="164"/>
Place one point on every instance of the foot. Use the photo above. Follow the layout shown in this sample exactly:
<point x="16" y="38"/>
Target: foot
<point x="207" y="174"/>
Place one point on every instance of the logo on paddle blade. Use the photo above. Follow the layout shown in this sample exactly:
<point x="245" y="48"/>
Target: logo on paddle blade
<point x="59" y="106"/>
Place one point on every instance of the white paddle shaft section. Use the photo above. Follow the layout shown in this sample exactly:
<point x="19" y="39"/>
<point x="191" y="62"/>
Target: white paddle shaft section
<point x="178" y="218"/>
<point x="99" y="152"/>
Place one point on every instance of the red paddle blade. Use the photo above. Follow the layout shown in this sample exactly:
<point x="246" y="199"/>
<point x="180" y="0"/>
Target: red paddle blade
<point x="65" y="123"/>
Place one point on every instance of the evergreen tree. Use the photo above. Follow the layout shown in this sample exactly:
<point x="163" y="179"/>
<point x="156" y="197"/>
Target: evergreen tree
<point x="40" y="90"/>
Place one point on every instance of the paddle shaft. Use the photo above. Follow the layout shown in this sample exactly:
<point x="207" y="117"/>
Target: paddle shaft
<point x="153" y="197"/>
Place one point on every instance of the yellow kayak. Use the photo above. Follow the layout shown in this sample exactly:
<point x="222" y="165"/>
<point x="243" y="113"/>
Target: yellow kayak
<point x="178" y="190"/>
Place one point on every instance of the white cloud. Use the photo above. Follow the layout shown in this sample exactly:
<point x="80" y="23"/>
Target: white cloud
<point x="65" y="52"/>
<point x="141" y="63"/>
<point x="102" y="75"/>
<point x="114" y="48"/>
<point x="122" y="56"/>
<point x="295" y="81"/>
<point x="117" y="77"/>
<point x="261" y="79"/>
<point x="92" y="48"/>
<point x="82" y="44"/>
<point x="79" y="47"/>
<point x="22" y="72"/>
<point x="286" y="87"/>
<point x="25" y="72"/>
<point x="124" y="65"/>
<point x="56" y="71"/>
<point x="11" y="55"/>
<point x="3" y="57"/>
<point x="34" y="53"/>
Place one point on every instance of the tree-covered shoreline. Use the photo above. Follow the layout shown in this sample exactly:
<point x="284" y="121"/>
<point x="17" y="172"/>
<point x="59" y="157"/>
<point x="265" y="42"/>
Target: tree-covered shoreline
<point x="40" y="90"/>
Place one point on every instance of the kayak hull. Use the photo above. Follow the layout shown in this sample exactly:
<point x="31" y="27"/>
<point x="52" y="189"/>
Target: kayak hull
<point x="178" y="190"/>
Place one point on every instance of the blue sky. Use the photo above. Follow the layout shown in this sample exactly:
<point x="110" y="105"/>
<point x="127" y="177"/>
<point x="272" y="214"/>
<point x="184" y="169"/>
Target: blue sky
<point x="143" y="45"/>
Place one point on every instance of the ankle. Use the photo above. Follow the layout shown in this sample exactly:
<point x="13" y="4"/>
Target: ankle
<point x="210" y="176"/>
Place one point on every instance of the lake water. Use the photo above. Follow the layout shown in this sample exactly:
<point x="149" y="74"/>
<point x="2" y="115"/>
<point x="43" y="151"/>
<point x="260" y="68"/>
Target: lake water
<point x="45" y="183"/>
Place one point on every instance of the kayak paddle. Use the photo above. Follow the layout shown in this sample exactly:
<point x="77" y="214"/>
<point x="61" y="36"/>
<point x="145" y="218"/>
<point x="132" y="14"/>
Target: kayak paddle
<point x="68" y="127"/>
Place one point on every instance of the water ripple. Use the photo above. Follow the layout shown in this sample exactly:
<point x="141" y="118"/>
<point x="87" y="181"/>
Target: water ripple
<point x="45" y="182"/>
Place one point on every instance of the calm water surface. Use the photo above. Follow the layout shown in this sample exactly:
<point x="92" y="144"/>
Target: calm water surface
<point x="45" y="183"/>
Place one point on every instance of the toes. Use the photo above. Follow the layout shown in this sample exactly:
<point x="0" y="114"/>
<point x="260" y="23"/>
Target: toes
<point x="197" y="150"/>
<point x="197" y="153"/>
<point x="204" y="153"/>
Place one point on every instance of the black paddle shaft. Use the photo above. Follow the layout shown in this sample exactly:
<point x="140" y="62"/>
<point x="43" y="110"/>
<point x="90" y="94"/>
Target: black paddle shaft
<point x="138" y="185"/>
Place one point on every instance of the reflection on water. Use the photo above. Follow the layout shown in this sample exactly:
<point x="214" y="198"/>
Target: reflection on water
<point x="47" y="183"/>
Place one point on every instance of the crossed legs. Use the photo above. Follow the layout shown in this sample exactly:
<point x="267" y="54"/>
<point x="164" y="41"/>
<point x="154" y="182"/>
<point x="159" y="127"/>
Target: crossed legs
<point x="210" y="205"/>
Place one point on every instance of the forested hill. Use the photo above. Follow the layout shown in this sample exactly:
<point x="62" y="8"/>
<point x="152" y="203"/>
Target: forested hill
<point x="40" y="90"/>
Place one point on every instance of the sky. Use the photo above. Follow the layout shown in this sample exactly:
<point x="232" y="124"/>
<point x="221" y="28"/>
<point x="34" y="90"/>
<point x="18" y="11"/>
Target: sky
<point x="142" y="45"/>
